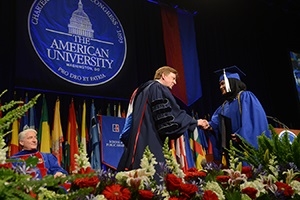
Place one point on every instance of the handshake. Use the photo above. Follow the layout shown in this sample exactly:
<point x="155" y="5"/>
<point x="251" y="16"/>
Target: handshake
<point x="203" y="123"/>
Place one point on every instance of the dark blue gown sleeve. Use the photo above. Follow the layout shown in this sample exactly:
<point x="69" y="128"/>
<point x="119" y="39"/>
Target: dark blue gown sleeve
<point x="170" y="120"/>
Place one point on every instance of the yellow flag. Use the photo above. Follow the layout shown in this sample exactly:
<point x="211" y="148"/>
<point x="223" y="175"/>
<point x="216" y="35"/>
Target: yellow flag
<point x="57" y="133"/>
<point x="44" y="130"/>
<point x="14" y="143"/>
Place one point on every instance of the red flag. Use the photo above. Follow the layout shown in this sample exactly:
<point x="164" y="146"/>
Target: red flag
<point x="72" y="137"/>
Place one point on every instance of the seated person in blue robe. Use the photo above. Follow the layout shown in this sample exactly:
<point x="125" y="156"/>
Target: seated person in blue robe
<point x="47" y="162"/>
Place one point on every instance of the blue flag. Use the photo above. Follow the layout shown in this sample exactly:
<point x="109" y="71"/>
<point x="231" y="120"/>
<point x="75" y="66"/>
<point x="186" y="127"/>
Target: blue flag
<point x="32" y="118"/>
<point x="94" y="133"/>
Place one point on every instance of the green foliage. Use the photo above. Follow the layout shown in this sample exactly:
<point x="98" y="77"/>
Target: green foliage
<point x="295" y="151"/>
<point x="236" y="194"/>
<point x="19" y="186"/>
<point x="14" y="110"/>
<point x="29" y="162"/>
<point x="13" y="185"/>
<point x="281" y="149"/>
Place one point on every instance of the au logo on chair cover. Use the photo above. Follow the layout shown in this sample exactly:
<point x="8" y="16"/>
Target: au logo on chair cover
<point x="81" y="41"/>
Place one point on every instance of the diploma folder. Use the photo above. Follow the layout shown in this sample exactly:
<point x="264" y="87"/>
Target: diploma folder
<point x="225" y="129"/>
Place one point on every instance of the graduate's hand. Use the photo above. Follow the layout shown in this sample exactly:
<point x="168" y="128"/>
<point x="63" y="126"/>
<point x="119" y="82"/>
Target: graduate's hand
<point x="203" y="123"/>
<point x="235" y="137"/>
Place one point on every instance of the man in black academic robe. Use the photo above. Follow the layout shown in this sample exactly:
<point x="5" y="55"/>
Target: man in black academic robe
<point x="153" y="115"/>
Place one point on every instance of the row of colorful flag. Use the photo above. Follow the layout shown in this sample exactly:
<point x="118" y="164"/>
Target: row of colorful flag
<point x="63" y="144"/>
<point x="190" y="149"/>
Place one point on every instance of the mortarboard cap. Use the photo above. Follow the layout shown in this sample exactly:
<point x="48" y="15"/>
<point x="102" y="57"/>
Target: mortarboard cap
<point x="230" y="72"/>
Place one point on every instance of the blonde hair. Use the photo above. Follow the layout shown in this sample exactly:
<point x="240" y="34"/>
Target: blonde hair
<point x="164" y="70"/>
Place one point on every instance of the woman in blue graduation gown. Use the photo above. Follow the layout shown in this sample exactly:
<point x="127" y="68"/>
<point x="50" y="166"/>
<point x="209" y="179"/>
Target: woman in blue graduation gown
<point x="242" y="107"/>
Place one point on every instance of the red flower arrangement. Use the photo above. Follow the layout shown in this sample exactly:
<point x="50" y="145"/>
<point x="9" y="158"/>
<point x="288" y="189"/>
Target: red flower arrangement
<point x="209" y="183"/>
<point x="116" y="192"/>
<point x="146" y="194"/>
<point x="250" y="191"/>
<point x="86" y="181"/>
<point x="247" y="170"/>
<point x="194" y="174"/>
<point x="209" y="195"/>
<point x="223" y="179"/>
<point x="174" y="183"/>
<point x="6" y="165"/>
<point x="285" y="188"/>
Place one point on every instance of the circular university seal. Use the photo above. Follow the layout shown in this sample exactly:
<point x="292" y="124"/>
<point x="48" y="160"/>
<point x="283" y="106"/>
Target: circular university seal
<point x="290" y="134"/>
<point x="81" y="41"/>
